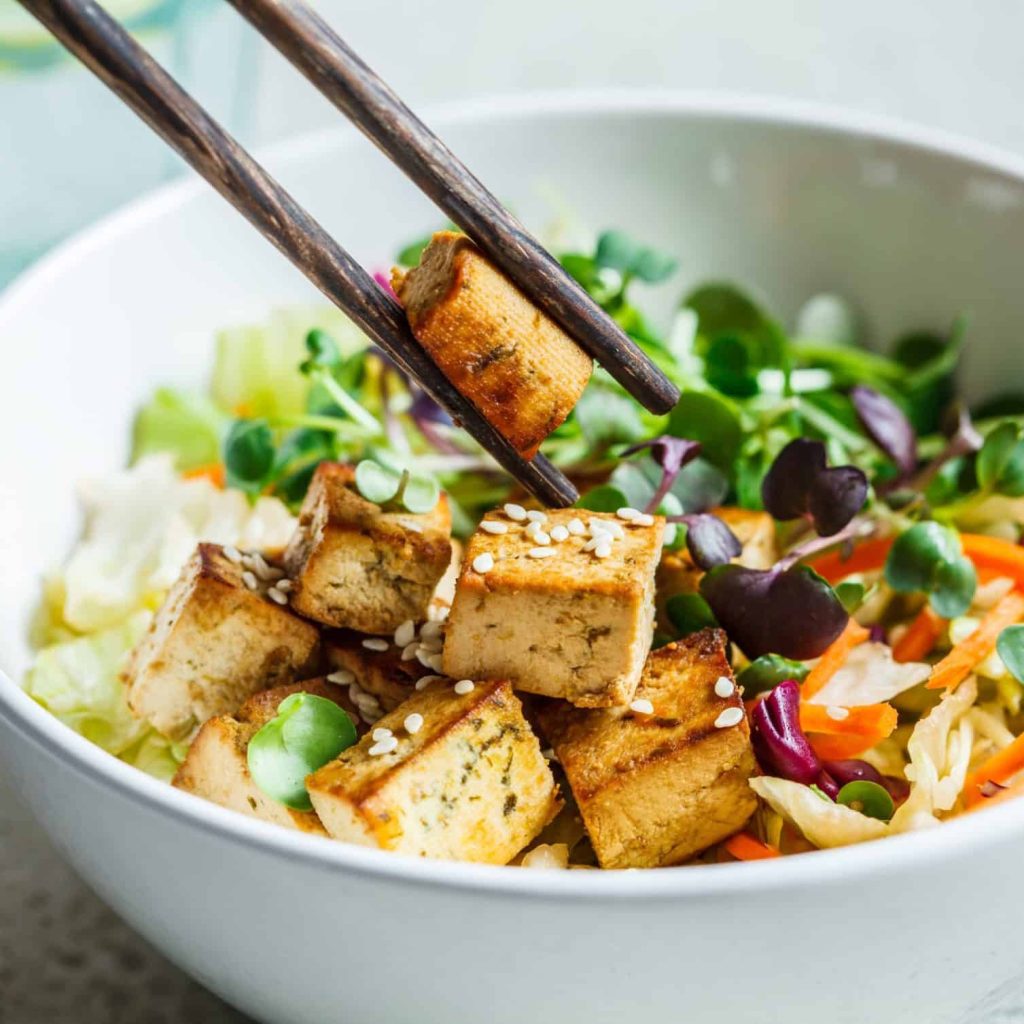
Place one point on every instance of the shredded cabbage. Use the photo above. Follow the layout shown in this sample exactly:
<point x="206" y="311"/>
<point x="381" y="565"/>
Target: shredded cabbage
<point x="870" y="676"/>
<point x="185" y="425"/>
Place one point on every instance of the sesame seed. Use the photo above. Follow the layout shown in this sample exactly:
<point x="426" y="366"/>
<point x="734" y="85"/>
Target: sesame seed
<point x="627" y="513"/>
<point x="541" y="538"/>
<point x="559" y="533"/>
<point x="515" y="512"/>
<point x="232" y="554"/>
<point x="413" y="723"/>
<point x="342" y="677"/>
<point x="410" y="650"/>
<point x="432" y="644"/>
<point x="424" y="681"/>
<point x="424" y="656"/>
<point x="376" y="643"/>
<point x="285" y="586"/>
<point x="261" y="568"/>
<point x="536" y="516"/>
<point x="728" y="718"/>
<point x="642" y="706"/>
<point x="434" y="662"/>
<point x="385" y="746"/>
<point x="541" y="552"/>
<point x="576" y="527"/>
<point x="249" y="579"/>
<point x="603" y="549"/>
<point x="837" y="714"/>
<point x="644" y="519"/>
<point x="381" y="733"/>
<point x="483" y="562"/>
<point x="494" y="526"/>
<point x="532" y="528"/>
<point x="430" y="630"/>
<point x="405" y="634"/>
<point x="276" y="596"/>
<point x="464" y="686"/>
<point x="592" y="543"/>
<point x="724" y="687"/>
<point x="370" y="717"/>
<point x="605" y="526"/>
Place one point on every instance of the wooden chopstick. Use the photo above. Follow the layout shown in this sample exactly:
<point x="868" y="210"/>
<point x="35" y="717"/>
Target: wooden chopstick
<point x="325" y="59"/>
<point x="89" y="33"/>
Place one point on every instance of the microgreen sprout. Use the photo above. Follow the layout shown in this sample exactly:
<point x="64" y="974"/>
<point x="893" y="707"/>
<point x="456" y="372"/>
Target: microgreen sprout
<point x="886" y="425"/>
<point x="386" y="485"/>
<point x="766" y="672"/>
<point x="1010" y="648"/>
<point x="929" y="558"/>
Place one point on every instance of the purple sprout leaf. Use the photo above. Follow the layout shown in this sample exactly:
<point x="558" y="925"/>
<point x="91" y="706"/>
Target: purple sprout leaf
<point x="779" y="743"/>
<point x="790" y="611"/>
<point x="887" y="425"/>
<point x="800" y="484"/>
<point x="836" y="496"/>
<point x="670" y="454"/>
<point x="708" y="539"/>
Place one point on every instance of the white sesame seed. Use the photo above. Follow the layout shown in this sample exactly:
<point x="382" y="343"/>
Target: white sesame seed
<point x="247" y="560"/>
<point x="515" y="512"/>
<point x="342" y="677"/>
<point x="423" y="656"/>
<point x="385" y="746"/>
<point x="728" y="718"/>
<point x="536" y="516"/>
<point x="642" y="706"/>
<point x="541" y="552"/>
<point x="576" y="527"/>
<point x="232" y="554"/>
<point x="494" y="526"/>
<point x="413" y="723"/>
<point x="376" y="643"/>
<point x="627" y="513"/>
<point x="434" y="662"/>
<point x="483" y="562"/>
<point x="405" y="634"/>
<point x="430" y="630"/>
<point x="541" y="538"/>
<point x="603" y="549"/>
<point x="249" y="579"/>
<point x="276" y="596"/>
<point x="464" y="686"/>
<point x="837" y="714"/>
<point x="410" y="650"/>
<point x="592" y="543"/>
<point x="261" y="568"/>
<point x="285" y="586"/>
<point x="432" y="644"/>
<point x="355" y="691"/>
<point x="370" y="717"/>
<point x="424" y="681"/>
<point x="381" y="733"/>
<point x="559" y="533"/>
<point x="724" y="687"/>
<point x="532" y="528"/>
<point x="644" y="519"/>
<point x="605" y="526"/>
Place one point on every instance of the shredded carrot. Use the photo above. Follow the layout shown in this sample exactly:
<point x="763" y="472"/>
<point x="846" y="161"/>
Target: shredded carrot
<point x="956" y="666"/>
<point x="995" y="556"/>
<point x="212" y="471"/>
<point x="998" y="768"/>
<point x="743" y="846"/>
<point x="1010" y="793"/>
<point x="860" y="730"/>
<point x="920" y="638"/>
<point x="833" y="658"/>
<point x="867" y="557"/>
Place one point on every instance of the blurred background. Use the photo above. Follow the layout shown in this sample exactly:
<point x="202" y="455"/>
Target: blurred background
<point x="69" y="153"/>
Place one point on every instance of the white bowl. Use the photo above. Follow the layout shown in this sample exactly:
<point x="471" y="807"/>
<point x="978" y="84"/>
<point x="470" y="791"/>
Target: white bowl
<point x="292" y="928"/>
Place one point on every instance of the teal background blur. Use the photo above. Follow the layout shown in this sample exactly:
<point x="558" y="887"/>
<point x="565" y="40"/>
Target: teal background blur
<point x="68" y="152"/>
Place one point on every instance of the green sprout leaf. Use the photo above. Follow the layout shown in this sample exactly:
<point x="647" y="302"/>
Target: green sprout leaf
<point x="248" y="454"/>
<point x="689" y="613"/>
<point x="1000" y="465"/>
<point x="419" y="493"/>
<point x="307" y="732"/>
<point x="1010" y="648"/>
<point x="929" y="557"/>
<point x="711" y="420"/>
<point x="617" y="251"/>
<point x="851" y="595"/>
<point x="377" y="483"/>
<point x="765" y="673"/>
<point x="603" y="499"/>
<point x="871" y="799"/>
<point x="606" y="417"/>
<point x="323" y="352"/>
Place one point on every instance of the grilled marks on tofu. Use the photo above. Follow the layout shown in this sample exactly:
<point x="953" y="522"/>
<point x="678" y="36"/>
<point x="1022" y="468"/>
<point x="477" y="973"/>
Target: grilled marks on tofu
<point x="521" y="370"/>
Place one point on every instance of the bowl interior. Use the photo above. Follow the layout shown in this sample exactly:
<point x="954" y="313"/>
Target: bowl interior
<point x="912" y="229"/>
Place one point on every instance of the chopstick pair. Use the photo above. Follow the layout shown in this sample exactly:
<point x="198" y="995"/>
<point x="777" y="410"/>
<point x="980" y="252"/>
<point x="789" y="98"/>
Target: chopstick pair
<point x="87" y="31"/>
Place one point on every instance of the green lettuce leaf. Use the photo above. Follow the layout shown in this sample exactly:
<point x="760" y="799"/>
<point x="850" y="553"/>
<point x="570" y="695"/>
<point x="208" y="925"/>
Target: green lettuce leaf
<point x="187" y="426"/>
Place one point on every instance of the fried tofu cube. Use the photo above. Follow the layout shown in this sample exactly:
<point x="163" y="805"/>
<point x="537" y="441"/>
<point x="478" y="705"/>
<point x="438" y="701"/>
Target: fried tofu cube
<point x="217" y="769"/>
<point x="678" y="575"/>
<point x="519" y="368"/>
<point x="357" y="566"/>
<point x="386" y="675"/>
<point x="470" y="783"/>
<point x="213" y="643"/>
<point x="656" y="788"/>
<point x="556" y="619"/>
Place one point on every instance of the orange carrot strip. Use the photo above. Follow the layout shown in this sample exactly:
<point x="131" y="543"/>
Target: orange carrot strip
<point x="1010" y="793"/>
<point x="743" y="846"/>
<point x="867" y="557"/>
<point x="862" y="728"/>
<point x="992" y="555"/>
<point x="998" y="768"/>
<point x="920" y="638"/>
<point x="956" y="666"/>
<point x="832" y="660"/>
<point x="213" y="471"/>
